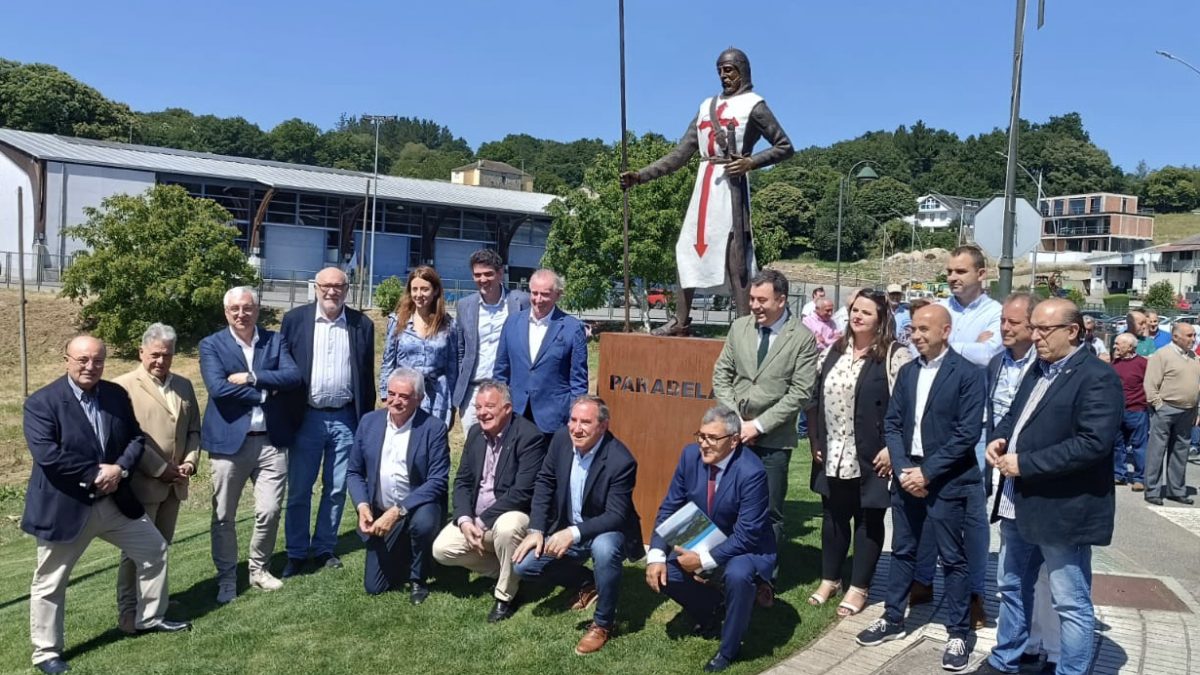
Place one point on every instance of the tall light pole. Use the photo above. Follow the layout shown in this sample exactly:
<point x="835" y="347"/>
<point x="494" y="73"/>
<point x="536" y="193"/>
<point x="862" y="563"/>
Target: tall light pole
<point x="376" y="120"/>
<point x="1041" y="198"/>
<point x="866" y="173"/>
<point x="1010" y="175"/>
<point x="1169" y="55"/>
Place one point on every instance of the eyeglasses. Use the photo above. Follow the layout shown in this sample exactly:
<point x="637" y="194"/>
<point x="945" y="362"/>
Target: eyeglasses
<point x="333" y="287"/>
<point x="708" y="439"/>
<point x="1046" y="330"/>
<point x="97" y="361"/>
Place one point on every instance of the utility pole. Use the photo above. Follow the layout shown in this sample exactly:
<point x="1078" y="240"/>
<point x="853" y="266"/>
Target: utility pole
<point x="1010" y="174"/>
<point x="377" y="120"/>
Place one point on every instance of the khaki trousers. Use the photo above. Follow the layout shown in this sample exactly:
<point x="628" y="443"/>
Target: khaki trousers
<point x="137" y="539"/>
<point x="164" y="515"/>
<point x="499" y="543"/>
<point x="265" y="466"/>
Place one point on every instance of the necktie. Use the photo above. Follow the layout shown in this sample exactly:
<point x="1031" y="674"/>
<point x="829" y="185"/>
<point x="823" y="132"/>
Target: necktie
<point x="713" y="470"/>
<point x="764" y="343"/>
<point x="93" y="414"/>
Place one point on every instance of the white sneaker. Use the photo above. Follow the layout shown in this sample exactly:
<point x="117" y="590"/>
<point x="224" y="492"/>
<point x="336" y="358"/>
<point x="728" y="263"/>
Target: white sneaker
<point x="265" y="581"/>
<point x="226" y="593"/>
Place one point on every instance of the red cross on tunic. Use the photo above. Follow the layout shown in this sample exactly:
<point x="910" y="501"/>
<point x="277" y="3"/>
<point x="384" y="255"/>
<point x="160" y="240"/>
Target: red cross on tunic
<point x="726" y="123"/>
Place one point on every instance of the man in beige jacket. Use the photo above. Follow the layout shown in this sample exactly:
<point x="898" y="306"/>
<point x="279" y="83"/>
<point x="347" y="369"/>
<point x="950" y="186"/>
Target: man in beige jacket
<point x="1172" y="392"/>
<point x="166" y="409"/>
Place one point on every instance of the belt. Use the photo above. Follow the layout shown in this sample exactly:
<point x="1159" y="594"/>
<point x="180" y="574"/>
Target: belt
<point x="916" y="459"/>
<point x="256" y="433"/>
<point x="338" y="408"/>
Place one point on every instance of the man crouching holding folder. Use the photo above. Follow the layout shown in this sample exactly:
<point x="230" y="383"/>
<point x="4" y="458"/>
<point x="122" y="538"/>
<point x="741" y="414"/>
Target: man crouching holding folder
<point x="729" y="485"/>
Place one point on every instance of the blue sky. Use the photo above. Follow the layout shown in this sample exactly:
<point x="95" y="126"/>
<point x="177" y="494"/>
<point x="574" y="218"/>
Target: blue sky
<point x="830" y="70"/>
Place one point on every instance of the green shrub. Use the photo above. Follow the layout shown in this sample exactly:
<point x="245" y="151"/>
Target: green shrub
<point x="388" y="293"/>
<point x="1116" y="304"/>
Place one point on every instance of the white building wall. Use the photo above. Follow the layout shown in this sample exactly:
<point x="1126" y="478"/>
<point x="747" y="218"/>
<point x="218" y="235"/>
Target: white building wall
<point x="72" y="187"/>
<point x="11" y="178"/>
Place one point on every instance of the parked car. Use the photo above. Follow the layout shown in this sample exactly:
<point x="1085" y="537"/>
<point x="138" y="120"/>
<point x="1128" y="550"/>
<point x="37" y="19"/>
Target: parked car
<point x="658" y="298"/>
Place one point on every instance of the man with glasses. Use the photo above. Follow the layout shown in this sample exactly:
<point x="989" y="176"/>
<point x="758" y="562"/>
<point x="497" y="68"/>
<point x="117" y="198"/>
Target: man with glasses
<point x="1172" y="374"/>
<point x="1053" y="451"/>
<point x="728" y="484"/>
<point x="398" y="475"/>
<point x="85" y="440"/>
<point x="245" y="431"/>
<point x="766" y="373"/>
<point x="333" y="347"/>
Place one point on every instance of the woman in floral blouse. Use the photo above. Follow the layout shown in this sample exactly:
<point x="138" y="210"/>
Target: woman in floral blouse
<point x="851" y="467"/>
<point x="420" y="335"/>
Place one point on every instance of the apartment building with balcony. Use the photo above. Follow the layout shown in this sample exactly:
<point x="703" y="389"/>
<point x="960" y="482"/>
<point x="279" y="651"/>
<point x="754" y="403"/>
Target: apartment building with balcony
<point x="1095" y="222"/>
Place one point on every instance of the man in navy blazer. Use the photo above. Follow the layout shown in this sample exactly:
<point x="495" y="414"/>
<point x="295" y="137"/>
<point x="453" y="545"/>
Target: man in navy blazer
<point x="492" y="492"/>
<point x="583" y="508"/>
<point x="479" y="319"/>
<point x="1055" y="501"/>
<point x="245" y="431"/>
<point x="543" y="356"/>
<point x="726" y="481"/>
<point x="933" y="422"/>
<point x="398" y="477"/>
<point x="334" y="350"/>
<point x="85" y="440"/>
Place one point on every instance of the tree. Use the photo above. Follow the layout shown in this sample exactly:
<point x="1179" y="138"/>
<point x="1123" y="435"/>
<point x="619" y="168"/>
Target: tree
<point x="1172" y="188"/>
<point x="417" y="161"/>
<point x="782" y="207"/>
<point x="295" y="141"/>
<point x="1161" y="296"/>
<point x="160" y="256"/>
<point x="585" y="242"/>
<point x="884" y="198"/>
<point x="42" y="98"/>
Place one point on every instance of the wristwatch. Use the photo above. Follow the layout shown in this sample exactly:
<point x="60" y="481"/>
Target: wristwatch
<point x="251" y="379"/>
<point x="124" y="474"/>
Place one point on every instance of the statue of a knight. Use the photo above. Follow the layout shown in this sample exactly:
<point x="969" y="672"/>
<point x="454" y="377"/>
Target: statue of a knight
<point x="715" y="247"/>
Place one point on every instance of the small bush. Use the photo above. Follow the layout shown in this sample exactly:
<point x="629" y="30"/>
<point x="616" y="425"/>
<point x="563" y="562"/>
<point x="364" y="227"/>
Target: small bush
<point x="388" y="293"/>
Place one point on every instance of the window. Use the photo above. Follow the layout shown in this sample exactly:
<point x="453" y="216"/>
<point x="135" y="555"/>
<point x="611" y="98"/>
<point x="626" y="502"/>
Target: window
<point x="1045" y="208"/>
<point x="1095" y="205"/>
<point x="1076" y="207"/>
<point x="1124" y="205"/>
<point x="282" y="209"/>
<point x="1058" y="207"/>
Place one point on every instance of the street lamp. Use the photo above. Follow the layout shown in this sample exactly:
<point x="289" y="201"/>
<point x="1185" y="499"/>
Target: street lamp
<point x="1041" y="198"/>
<point x="376" y="120"/>
<point x="864" y="174"/>
<point x="1169" y="55"/>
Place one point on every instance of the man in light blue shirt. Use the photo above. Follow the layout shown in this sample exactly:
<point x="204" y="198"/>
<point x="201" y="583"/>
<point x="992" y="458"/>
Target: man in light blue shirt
<point x="975" y="334"/>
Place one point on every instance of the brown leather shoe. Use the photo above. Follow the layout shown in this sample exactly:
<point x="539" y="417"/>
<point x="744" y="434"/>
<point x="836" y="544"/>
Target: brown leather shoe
<point x="591" y="642"/>
<point x="978" y="614"/>
<point x="585" y="597"/>
<point x="764" y="595"/>
<point x="920" y="594"/>
<point x="1138" y="487"/>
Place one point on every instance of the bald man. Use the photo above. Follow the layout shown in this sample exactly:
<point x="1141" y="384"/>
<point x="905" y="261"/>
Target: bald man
<point x="85" y="439"/>
<point x="932" y="425"/>
<point x="334" y="350"/>
<point x="1130" y="443"/>
<point x="1172" y="394"/>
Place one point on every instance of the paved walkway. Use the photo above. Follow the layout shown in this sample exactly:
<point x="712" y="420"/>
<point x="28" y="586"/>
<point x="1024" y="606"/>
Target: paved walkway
<point x="1129" y="640"/>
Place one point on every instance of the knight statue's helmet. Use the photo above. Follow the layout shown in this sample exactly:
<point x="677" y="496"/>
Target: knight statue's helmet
<point x="739" y="59"/>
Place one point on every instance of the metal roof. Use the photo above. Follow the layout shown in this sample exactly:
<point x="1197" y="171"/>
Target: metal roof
<point x="272" y="174"/>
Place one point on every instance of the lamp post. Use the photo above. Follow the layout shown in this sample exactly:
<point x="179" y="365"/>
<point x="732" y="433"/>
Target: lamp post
<point x="1169" y="55"/>
<point x="1040" y="200"/>
<point x="864" y="174"/>
<point x="376" y="120"/>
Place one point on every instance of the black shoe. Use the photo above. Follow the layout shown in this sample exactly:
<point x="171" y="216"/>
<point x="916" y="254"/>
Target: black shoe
<point x="1157" y="501"/>
<point x="293" y="568"/>
<point x="1183" y="500"/>
<point x="879" y="632"/>
<point x="54" y="665"/>
<point x="955" y="656"/>
<point x="711" y="630"/>
<point x="716" y="664"/>
<point x="328" y="561"/>
<point x="1119" y="481"/>
<point x="502" y="610"/>
<point x="1028" y="658"/>
<point x="165" y="626"/>
<point x="417" y="592"/>
<point x="1049" y="668"/>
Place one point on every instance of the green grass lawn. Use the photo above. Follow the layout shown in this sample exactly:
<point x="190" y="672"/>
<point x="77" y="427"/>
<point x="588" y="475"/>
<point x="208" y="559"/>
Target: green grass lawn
<point x="325" y="623"/>
<point x="1171" y="227"/>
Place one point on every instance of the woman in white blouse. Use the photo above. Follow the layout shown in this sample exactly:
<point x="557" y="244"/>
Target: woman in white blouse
<point x="851" y="468"/>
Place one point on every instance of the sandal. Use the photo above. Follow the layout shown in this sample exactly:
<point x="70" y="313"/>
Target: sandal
<point x="830" y="588"/>
<point x="845" y="608"/>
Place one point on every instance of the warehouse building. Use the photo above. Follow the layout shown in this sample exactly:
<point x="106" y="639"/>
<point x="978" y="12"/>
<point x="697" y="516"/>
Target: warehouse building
<point x="296" y="219"/>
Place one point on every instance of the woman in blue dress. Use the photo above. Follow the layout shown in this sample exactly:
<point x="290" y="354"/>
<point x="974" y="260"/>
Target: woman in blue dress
<point x="420" y="335"/>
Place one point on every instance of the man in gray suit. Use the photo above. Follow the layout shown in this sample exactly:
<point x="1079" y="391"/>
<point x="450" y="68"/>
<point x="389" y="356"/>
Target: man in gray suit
<point x="766" y="373"/>
<point x="479" y="319"/>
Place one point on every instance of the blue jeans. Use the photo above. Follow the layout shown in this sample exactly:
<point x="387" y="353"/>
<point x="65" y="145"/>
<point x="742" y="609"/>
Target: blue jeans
<point x="1131" y="443"/>
<point x="323" y="437"/>
<point x="1070" y="570"/>
<point x="976" y="532"/>
<point x="607" y="551"/>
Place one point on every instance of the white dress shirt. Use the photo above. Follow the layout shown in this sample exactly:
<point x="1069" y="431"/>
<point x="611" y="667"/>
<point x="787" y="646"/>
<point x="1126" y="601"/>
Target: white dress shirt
<point x="490" y="323"/>
<point x="537" y="333"/>
<point x="925" y="377"/>
<point x="331" y="379"/>
<point x="393" y="465"/>
<point x="258" y="421"/>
